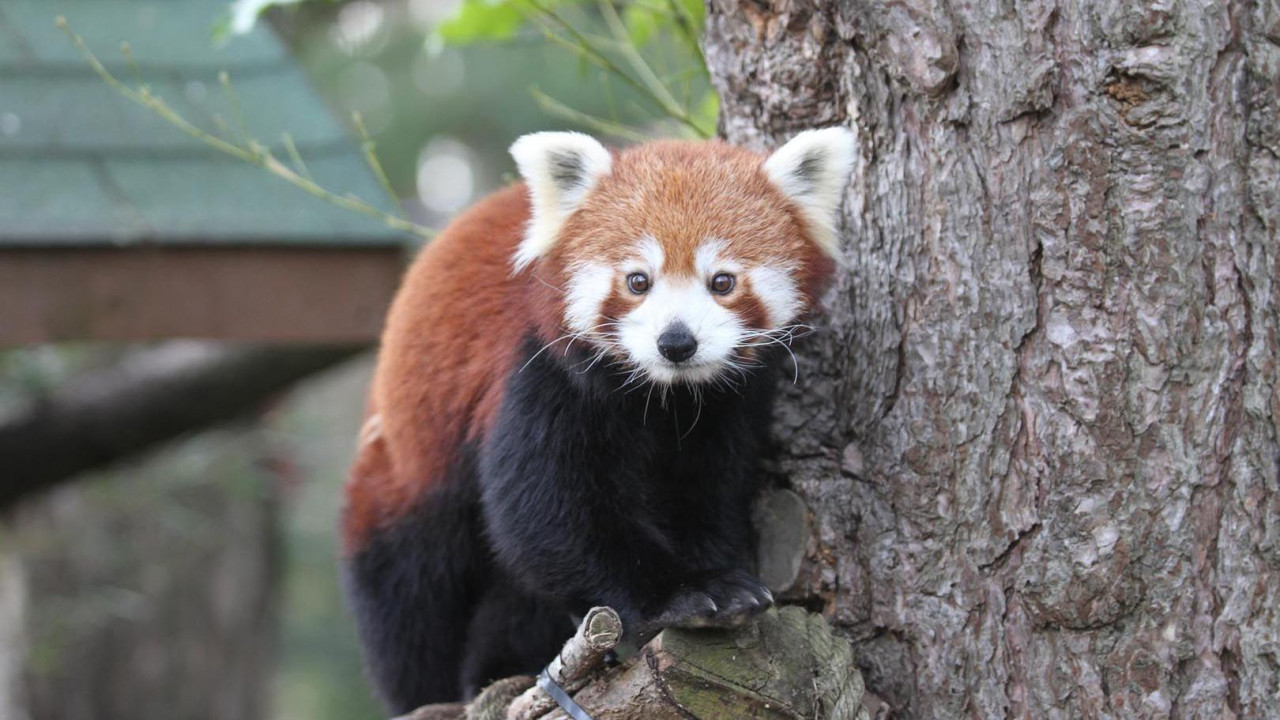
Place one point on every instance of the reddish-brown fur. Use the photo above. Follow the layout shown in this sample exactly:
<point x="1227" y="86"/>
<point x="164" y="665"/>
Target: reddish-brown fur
<point x="449" y="341"/>
<point x="683" y="193"/>
<point x="456" y="326"/>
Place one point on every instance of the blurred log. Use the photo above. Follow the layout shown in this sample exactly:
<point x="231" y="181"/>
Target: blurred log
<point x="13" y="597"/>
<point x="786" y="666"/>
<point x="154" y="591"/>
<point x="153" y="396"/>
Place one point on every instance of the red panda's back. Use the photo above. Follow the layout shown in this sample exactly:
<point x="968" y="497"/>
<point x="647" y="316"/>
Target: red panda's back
<point x="451" y="337"/>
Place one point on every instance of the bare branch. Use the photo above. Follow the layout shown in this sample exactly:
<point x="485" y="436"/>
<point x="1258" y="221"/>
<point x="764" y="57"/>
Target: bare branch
<point x="154" y="396"/>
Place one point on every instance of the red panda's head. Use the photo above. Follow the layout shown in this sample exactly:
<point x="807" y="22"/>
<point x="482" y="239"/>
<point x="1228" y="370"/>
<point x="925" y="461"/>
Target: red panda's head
<point x="682" y="259"/>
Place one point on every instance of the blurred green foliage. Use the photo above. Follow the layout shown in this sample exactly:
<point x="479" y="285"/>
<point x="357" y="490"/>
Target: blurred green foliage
<point x="477" y="20"/>
<point x="501" y="19"/>
<point x="640" y="73"/>
<point x="624" y="44"/>
<point x="469" y="82"/>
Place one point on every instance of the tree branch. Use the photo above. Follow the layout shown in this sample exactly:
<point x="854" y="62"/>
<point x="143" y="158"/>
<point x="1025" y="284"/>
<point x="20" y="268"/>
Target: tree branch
<point x="785" y="666"/>
<point x="153" y="396"/>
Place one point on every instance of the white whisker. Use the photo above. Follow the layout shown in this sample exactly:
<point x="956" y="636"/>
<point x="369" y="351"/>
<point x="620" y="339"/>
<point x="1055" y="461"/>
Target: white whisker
<point x="570" y="336"/>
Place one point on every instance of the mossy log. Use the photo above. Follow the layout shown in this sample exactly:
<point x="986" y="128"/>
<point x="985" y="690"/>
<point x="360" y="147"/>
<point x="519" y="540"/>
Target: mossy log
<point x="786" y="666"/>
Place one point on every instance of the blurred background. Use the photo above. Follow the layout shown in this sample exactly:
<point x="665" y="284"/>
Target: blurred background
<point x="204" y="210"/>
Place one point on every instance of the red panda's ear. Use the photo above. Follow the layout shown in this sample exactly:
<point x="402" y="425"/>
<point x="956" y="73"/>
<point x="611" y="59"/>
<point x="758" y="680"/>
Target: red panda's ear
<point x="813" y="169"/>
<point x="560" y="168"/>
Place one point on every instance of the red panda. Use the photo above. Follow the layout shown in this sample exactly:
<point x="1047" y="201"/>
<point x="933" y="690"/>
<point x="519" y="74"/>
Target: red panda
<point x="570" y="401"/>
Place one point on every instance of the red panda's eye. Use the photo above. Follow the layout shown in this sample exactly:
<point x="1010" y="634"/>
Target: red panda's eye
<point x="721" y="284"/>
<point x="638" y="283"/>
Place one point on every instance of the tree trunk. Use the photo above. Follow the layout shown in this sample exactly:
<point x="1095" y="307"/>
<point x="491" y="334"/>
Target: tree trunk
<point x="1037" y="430"/>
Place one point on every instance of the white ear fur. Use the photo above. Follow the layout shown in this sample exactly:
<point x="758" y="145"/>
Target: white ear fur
<point x="560" y="168"/>
<point x="813" y="169"/>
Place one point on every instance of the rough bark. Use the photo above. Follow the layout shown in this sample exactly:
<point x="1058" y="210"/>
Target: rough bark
<point x="1037" y="434"/>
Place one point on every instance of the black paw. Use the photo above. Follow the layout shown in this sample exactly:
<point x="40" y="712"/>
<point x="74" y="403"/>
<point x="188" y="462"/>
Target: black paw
<point x="725" y="599"/>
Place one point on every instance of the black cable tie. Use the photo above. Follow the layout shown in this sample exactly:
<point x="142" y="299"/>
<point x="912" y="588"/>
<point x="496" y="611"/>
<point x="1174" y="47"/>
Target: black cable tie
<point x="561" y="697"/>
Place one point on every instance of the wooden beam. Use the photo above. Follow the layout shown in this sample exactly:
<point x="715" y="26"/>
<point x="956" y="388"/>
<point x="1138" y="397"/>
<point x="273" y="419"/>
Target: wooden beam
<point x="243" y="293"/>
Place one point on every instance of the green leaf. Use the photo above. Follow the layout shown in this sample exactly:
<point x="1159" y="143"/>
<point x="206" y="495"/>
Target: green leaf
<point x="483" y="20"/>
<point x="641" y="24"/>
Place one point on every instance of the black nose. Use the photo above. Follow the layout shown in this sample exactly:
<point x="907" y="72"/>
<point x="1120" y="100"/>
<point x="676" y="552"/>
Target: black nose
<point x="676" y="343"/>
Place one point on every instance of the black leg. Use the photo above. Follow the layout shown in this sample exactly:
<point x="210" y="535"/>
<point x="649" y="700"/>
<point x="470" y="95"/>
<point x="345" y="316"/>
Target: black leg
<point x="413" y="590"/>
<point x="511" y="633"/>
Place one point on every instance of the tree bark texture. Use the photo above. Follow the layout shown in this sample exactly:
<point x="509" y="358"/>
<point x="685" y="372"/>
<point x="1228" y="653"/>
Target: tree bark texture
<point x="1036" y="431"/>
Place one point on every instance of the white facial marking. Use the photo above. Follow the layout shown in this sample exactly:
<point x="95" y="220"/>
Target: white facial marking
<point x="587" y="290"/>
<point x="710" y="259"/>
<point x="689" y="301"/>
<point x="651" y="254"/>
<point x="717" y="331"/>
<point x="777" y="291"/>
<point x="707" y="256"/>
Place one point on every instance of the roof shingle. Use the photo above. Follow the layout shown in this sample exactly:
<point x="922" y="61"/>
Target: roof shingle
<point x="81" y="165"/>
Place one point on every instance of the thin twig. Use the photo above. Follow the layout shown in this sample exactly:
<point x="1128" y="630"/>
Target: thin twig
<point x="633" y="56"/>
<point x="253" y="153"/>
<point x="599" y="633"/>
<point x="599" y="124"/>
<point x="223" y="127"/>
<point x="609" y="100"/>
<point x="298" y="163"/>
<point x="224" y="79"/>
<point x="371" y="159"/>
<point x="127" y="51"/>
<point x="582" y="45"/>
<point x="689" y="30"/>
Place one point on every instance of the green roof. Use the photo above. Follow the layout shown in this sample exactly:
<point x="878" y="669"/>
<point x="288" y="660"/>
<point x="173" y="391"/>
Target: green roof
<point x="82" y="165"/>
